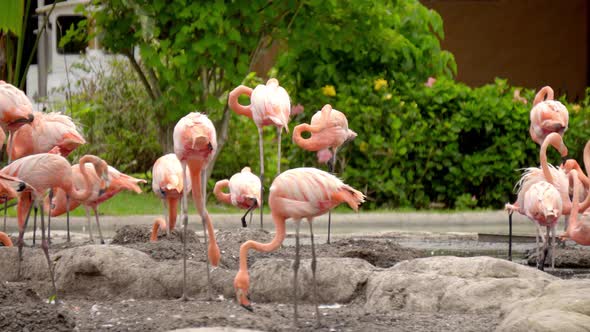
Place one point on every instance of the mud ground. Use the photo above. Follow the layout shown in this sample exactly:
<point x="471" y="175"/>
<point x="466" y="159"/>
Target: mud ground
<point x="21" y="309"/>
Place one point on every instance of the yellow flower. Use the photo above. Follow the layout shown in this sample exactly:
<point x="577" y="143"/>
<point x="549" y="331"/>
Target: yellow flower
<point x="576" y="108"/>
<point x="387" y="96"/>
<point x="329" y="90"/>
<point x="379" y="83"/>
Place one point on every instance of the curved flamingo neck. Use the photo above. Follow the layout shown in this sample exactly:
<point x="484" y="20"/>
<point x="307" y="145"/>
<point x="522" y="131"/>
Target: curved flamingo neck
<point x="546" y="93"/>
<point x="235" y="105"/>
<point x="196" y="167"/>
<point x="159" y="223"/>
<point x="280" y="232"/>
<point x="587" y="157"/>
<point x="172" y="211"/>
<point x="556" y="141"/>
<point x="82" y="195"/>
<point x="219" y="194"/>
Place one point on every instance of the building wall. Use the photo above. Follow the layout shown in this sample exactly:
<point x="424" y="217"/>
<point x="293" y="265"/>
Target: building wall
<point x="532" y="43"/>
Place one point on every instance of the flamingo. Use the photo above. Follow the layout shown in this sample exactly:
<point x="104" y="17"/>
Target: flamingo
<point x="16" y="110"/>
<point x="5" y="240"/>
<point x="117" y="182"/>
<point x="547" y="116"/>
<point x="167" y="184"/>
<point x="297" y="193"/>
<point x="329" y="129"/>
<point x="195" y="142"/>
<point x="46" y="131"/>
<point x="43" y="172"/>
<point x="534" y="175"/>
<point x="577" y="230"/>
<point x="270" y="105"/>
<point x="244" y="191"/>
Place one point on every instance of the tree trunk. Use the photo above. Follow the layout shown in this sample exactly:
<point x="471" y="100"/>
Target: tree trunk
<point x="222" y="127"/>
<point x="165" y="138"/>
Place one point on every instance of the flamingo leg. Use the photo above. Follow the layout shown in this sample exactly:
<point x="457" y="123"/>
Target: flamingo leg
<point x="313" y="273"/>
<point x="184" y="239"/>
<point x="45" y="247"/>
<point x="251" y="213"/>
<point x="5" y="213"/>
<point x="34" y="224"/>
<point x="261" y="148"/>
<point x="537" y="243"/>
<point x="510" y="235"/>
<point x="331" y="167"/>
<point x="67" y="215"/>
<point x="205" y="221"/>
<point x="21" y="234"/>
<point x="279" y="134"/>
<point x="553" y="243"/>
<point x="95" y="208"/>
<point x="296" y="269"/>
<point x="164" y="210"/>
<point x="89" y="223"/>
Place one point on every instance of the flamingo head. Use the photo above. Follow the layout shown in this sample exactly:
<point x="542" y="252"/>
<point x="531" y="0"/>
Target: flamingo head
<point x="241" y="285"/>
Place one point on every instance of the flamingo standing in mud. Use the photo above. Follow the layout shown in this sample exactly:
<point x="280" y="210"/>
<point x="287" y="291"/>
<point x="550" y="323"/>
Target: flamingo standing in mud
<point x="195" y="142"/>
<point x="168" y="185"/>
<point x="244" y="191"/>
<point x="535" y="180"/>
<point x="270" y="105"/>
<point x="297" y="193"/>
<point x="329" y="130"/>
<point x="43" y="172"/>
<point x="117" y="182"/>
<point x="547" y="116"/>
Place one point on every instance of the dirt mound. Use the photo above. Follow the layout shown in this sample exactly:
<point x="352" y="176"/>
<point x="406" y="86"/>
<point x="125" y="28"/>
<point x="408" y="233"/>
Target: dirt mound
<point x="21" y="309"/>
<point x="568" y="257"/>
<point x="140" y="234"/>
<point x="379" y="253"/>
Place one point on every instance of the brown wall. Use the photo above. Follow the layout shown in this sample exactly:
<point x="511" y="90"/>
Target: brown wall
<point x="530" y="42"/>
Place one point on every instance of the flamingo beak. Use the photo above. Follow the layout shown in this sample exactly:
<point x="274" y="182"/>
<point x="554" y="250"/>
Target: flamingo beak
<point x="243" y="299"/>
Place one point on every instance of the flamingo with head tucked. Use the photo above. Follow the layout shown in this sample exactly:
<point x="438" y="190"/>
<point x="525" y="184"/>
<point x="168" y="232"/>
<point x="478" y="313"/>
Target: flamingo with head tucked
<point x="329" y="131"/>
<point x="168" y="185"/>
<point x="195" y="142"/>
<point x="244" y="191"/>
<point x="297" y="193"/>
<point x="547" y="116"/>
<point x="270" y="105"/>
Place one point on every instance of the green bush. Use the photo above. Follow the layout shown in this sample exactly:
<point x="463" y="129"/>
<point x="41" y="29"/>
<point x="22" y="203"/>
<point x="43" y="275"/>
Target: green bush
<point x="116" y="116"/>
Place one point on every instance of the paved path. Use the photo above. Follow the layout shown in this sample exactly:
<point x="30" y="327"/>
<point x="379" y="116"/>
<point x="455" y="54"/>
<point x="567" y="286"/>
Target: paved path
<point x="490" y="222"/>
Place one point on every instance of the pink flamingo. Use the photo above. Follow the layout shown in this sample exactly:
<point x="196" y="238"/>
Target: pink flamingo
<point x="5" y="240"/>
<point x="297" y="193"/>
<point x="577" y="230"/>
<point x="46" y="131"/>
<point x="43" y="172"/>
<point x="547" y="116"/>
<point x="117" y="182"/>
<point x="329" y="129"/>
<point x="244" y="191"/>
<point x="532" y="176"/>
<point x="16" y="109"/>
<point x="270" y="105"/>
<point x="168" y="185"/>
<point x="195" y="142"/>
